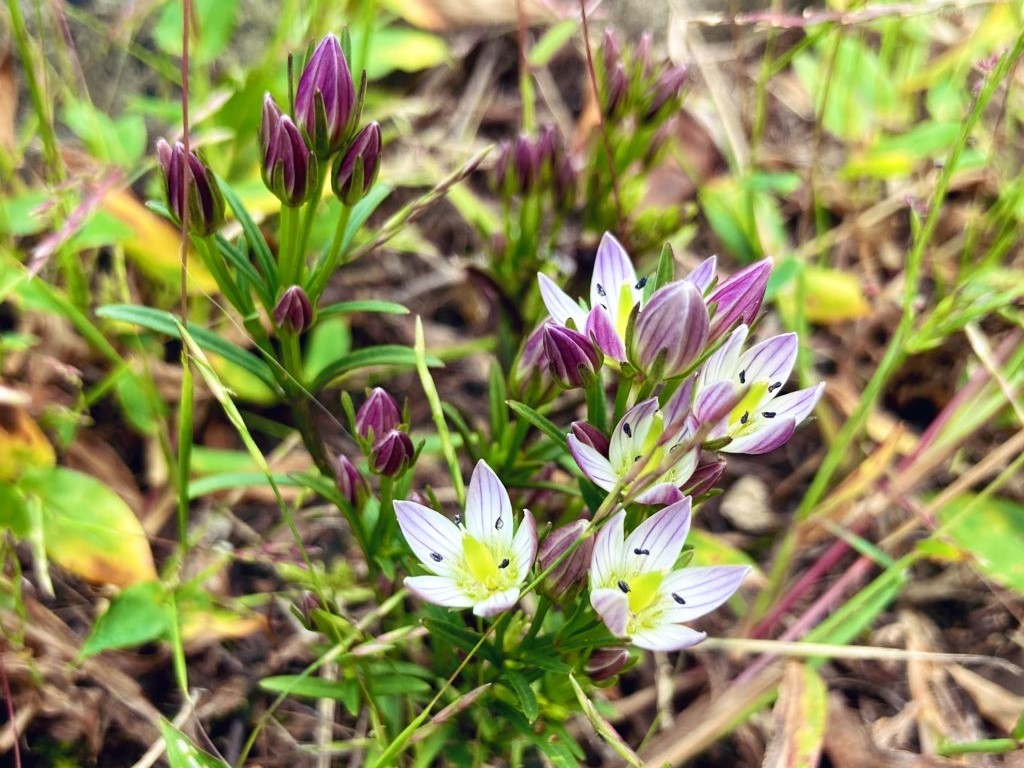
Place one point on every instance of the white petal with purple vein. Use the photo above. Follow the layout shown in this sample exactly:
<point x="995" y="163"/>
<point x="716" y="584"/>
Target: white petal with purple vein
<point x="524" y="546"/>
<point x="612" y="606"/>
<point x="656" y="543"/>
<point x="488" y="509"/>
<point x="496" y="603"/>
<point x="592" y="463"/>
<point x="701" y="590"/>
<point x="431" y="536"/>
<point x="608" y="549"/>
<point x="667" y="637"/>
<point x="767" y="435"/>
<point x="612" y="268"/>
<point x="438" y="590"/>
<point x="559" y="305"/>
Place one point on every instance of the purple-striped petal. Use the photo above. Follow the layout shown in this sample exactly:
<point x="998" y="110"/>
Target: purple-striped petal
<point x="488" y="509"/>
<point x="693" y="592"/>
<point x="612" y="606"/>
<point x="772" y="361"/>
<point x="677" y="408"/>
<point x="673" y="324"/>
<point x="667" y="637"/>
<point x="631" y="431"/>
<point x="660" y="494"/>
<point x="739" y="298"/>
<point x="608" y="552"/>
<point x="431" y="535"/>
<point x="765" y="436"/>
<point x="656" y="543"/>
<point x="612" y="269"/>
<point x="559" y="305"/>
<point x="722" y="364"/>
<point x="716" y="401"/>
<point x="704" y="274"/>
<point x="438" y="590"/>
<point x="497" y="603"/>
<point x="590" y="435"/>
<point x="524" y="545"/>
<point x="601" y="329"/>
<point x="594" y="465"/>
<point x="798" y="405"/>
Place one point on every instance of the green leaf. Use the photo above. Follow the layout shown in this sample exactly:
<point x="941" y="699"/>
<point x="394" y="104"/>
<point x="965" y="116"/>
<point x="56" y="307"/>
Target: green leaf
<point x="551" y="42"/>
<point x="399" y="48"/>
<point x="329" y="341"/>
<point x="400" y="685"/>
<point x="136" y="616"/>
<point x="88" y="528"/>
<point x="991" y="530"/>
<point x="521" y="687"/>
<point x="253" y="236"/>
<point x="541" y="422"/>
<point x="361" y="211"/>
<point x="459" y="636"/>
<point x="383" y="354"/>
<point x="244" y="267"/>
<point x="164" y="322"/>
<point x="215" y="22"/>
<point x="310" y="687"/>
<point x="366" y="305"/>
<point x="231" y="480"/>
<point x="182" y="753"/>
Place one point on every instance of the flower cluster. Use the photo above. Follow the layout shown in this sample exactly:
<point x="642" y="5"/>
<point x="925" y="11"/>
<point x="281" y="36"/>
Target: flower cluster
<point x="631" y="83"/>
<point x="526" y="165"/>
<point x="378" y="428"/>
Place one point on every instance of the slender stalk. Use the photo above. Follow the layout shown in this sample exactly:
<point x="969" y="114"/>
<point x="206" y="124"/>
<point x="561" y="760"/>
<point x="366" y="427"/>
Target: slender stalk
<point x="331" y="259"/>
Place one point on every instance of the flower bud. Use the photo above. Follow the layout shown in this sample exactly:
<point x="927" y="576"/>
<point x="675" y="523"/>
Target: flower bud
<point x="572" y="570"/>
<point x="500" y="172"/>
<point x="531" y="381"/>
<point x="704" y="477"/>
<point x="356" y="170"/>
<point x="670" y="332"/>
<point x="377" y="415"/>
<point x="573" y="360"/>
<point x="611" y="50"/>
<point x="563" y="185"/>
<point x="738" y="299"/>
<point x="294" y="311"/>
<point x="289" y="169"/>
<point x="666" y="89"/>
<point x="642" y="55"/>
<point x="350" y="482"/>
<point x="590" y="435"/>
<point x="191" y="186"/>
<point x="325" y="99"/>
<point x="616" y="90"/>
<point x="605" y="663"/>
<point x="526" y="163"/>
<point x="392" y="454"/>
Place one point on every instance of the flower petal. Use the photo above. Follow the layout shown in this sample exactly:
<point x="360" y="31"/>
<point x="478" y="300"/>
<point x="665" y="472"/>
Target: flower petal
<point x="660" y="494"/>
<point x="798" y="405"/>
<point x="559" y="305"/>
<point x="608" y="553"/>
<point x="593" y="464"/>
<point x="704" y="274"/>
<point x="488" y="509"/>
<point x="771" y="360"/>
<point x="524" y="545"/>
<point x="612" y="268"/>
<point x="701" y="590"/>
<point x="630" y="432"/>
<point x="762" y="436"/>
<point x="498" y="602"/>
<point x="430" y="533"/>
<point x="717" y="400"/>
<point x="612" y="606"/>
<point x="739" y="297"/>
<point x="722" y="364"/>
<point x="601" y="329"/>
<point x="656" y="543"/>
<point x="439" y="591"/>
<point x="667" y="637"/>
<point x="677" y="408"/>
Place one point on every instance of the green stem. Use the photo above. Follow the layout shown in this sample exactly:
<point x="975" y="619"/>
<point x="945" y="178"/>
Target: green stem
<point x="385" y="515"/>
<point x="292" y="382"/>
<point x="287" y="257"/>
<point x="331" y="258"/>
<point x="543" y="604"/>
<point x="597" y="406"/>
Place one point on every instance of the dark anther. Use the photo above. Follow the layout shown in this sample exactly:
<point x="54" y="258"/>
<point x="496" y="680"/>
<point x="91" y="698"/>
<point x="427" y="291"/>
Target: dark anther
<point x="623" y="586"/>
<point x="744" y="417"/>
<point x="458" y="519"/>
<point x="678" y="599"/>
<point x="743" y="377"/>
<point x="639" y="551"/>
<point x="503" y="563"/>
<point x="773" y="387"/>
<point x="641" y="283"/>
<point x="436" y="557"/>
<point x="637" y="458"/>
<point x="627" y="429"/>
<point x="600" y="290"/>
<point x="768" y="414"/>
<point x="498" y="523"/>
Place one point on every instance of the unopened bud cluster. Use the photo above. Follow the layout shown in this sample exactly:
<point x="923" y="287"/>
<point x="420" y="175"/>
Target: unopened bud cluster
<point x="527" y="165"/>
<point x="379" y="429"/>
<point x="632" y="85"/>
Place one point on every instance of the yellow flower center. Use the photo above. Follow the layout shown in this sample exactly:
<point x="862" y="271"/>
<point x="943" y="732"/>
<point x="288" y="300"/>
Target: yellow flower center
<point x="484" y="571"/>
<point x="643" y="591"/>
<point x="625" y="307"/>
<point x="746" y="409"/>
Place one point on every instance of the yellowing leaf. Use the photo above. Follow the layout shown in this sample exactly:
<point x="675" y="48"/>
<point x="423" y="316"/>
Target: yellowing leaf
<point x="709" y="549"/>
<point x="212" y="624"/>
<point x="88" y="529"/>
<point x="831" y="296"/>
<point x="22" y="444"/>
<point x="991" y="530"/>
<point x="156" y="245"/>
<point x="800" y="716"/>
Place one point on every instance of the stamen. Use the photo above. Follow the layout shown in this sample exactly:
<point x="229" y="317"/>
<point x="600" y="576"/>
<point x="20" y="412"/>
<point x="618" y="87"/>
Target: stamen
<point x="503" y="563"/>
<point x="624" y="586"/>
<point x="678" y="599"/>
<point x="743" y="377"/>
<point x="773" y="387"/>
<point x="627" y="429"/>
<point x="600" y="290"/>
<point x="768" y="414"/>
<point x="744" y="417"/>
<point x="458" y="519"/>
<point x="498" y="524"/>
<point x="641" y="283"/>
<point x="639" y="551"/>
<point x="636" y="459"/>
<point x="436" y="557"/>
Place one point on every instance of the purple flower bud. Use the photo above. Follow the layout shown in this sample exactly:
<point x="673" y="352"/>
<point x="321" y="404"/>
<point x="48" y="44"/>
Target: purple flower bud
<point x="356" y="170"/>
<point x="616" y="90"/>
<point x="289" y="169"/>
<point x="642" y="55"/>
<point x="190" y="186"/>
<point x="392" y="454"/>
<point x="350" y="482"/>
<point x="294" y="311"/>
<point x="377" y="415"/>
<point x="666" y="89"/>
<point x="548" y="147"/>
<point x="572" y="358"/>
<point x="670" y="332"/>
<point x="526" y="162"/>
<point x="590" y="435"/>
<point x="325" y="100"/>
<point x="738" y="299"/>
<point x="531" y="380"/>
<point x="605" y="663"/>
<point x="708" y="472"/>
<point x="611" y="50"/>
<point x="502" y="165"/>
<point x="572" y="570"/>
<point x="563" y="185"/>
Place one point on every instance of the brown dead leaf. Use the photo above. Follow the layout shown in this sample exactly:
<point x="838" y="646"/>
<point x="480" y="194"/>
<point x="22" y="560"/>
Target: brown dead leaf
<point x="799" y="717"/>
<point x="8" y="100"/>
<point x="1001" y="707"/>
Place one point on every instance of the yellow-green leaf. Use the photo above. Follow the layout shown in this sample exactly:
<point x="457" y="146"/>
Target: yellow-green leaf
<point x="991" y="530"/>
<point x="22" y="443"/>
<point x="830" y="296"/>
<point x="800" y="717"/>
